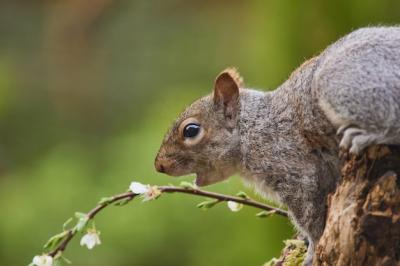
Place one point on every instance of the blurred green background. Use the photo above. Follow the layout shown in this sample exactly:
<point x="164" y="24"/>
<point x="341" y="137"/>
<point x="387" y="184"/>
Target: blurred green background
<point x="87" y="91"/>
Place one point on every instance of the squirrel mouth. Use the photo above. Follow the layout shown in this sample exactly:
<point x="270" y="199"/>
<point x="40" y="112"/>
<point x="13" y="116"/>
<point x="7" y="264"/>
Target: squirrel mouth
<point x="200" y="180"/>
<point x="205" y="179"/>
<point x="209" y="178"/>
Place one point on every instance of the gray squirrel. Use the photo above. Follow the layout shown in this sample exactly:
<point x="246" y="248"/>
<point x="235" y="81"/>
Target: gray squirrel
<point x="286" y="142"/>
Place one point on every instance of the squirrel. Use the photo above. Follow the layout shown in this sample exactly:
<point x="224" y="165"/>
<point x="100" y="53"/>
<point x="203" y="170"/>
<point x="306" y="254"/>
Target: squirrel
<point x="286" y="142"/>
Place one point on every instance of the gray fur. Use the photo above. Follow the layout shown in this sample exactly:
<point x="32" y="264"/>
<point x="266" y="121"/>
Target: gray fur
<point x="359" y="79"/>
<point x="288" y="146"/>
<point x="286" y="142"/>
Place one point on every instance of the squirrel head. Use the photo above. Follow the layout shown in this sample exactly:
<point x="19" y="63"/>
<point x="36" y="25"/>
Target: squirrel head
<point x="204" y="140"/>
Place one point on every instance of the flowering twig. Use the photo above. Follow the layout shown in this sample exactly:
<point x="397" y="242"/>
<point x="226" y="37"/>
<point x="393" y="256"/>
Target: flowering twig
<point x="221" y="197"/>
<point x="90" y="215"/>
<point x="59" y="242"/>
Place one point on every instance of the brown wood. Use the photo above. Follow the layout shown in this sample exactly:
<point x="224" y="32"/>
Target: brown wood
<point x="363" y="221"/>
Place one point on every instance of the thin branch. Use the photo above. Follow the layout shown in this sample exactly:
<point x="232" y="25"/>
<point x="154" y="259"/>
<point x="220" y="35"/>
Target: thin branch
<point x="91" y="214"/>
<point x="222" y="197"/>
<point x="166" y="189"/>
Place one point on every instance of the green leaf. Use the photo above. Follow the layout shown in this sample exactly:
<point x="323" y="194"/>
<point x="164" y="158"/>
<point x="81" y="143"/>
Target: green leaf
<point x="105" y="200"/>
<point x="81" y="224"/>
<point x="66" y="260"/>
<point x="187" y="185"/>
<point x="58" y="255"/>
<point x="265" y="214"/>
<point x="83" y="218"/>
<point x="56" y="263"/>
<point x="243" y="195"/>
<point x="205" y="205"/>
<point x="66" y="223"/>
<point x="123" y="202"/>
<point x="80" y="215"/>
<point x="55" y="240"/>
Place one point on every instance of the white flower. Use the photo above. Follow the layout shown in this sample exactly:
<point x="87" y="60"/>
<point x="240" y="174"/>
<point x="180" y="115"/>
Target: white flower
<point x="43" y="260"/>
<point x="91" y="239"/>
<point x="139" y="188"/>
<point x="152" y="193"/>
<point x="148" y="192"/>
<point x="234" y="206"/>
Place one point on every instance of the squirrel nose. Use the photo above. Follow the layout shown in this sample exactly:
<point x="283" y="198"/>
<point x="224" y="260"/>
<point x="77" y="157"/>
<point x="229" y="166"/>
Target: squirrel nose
<point x="159" y="167"/>
<point x="159" y="164"/>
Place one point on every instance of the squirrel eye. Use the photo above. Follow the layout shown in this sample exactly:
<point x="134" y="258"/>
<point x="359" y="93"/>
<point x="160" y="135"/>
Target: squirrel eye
<point x="191" y="130"/>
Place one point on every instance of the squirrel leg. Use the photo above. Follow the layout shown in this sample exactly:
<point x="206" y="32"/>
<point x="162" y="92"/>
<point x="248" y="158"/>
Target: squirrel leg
<point x="348" y="135"/>
<point x="310" y="254"/>
<point x="342" y="128"/>
<point x="356" y="139"/>
<point x="360" y="142"/>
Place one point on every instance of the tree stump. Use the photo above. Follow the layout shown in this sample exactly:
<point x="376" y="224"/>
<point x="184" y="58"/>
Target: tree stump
<point x="363" y="220"/>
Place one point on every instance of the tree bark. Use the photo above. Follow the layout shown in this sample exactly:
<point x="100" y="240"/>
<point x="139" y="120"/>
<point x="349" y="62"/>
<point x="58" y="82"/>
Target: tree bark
<point x="363" y="220"/>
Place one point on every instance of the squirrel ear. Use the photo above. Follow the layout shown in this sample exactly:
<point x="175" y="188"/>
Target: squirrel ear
<point x="226" y="90"/>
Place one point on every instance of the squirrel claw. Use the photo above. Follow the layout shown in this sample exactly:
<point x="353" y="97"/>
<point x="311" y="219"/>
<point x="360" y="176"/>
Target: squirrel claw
<point x="349" y="135"/>
<point x="356" y="140"/>
<point x="341" y="129"/>
<point x="309" y="256"/>
<point x="360" y="142"/>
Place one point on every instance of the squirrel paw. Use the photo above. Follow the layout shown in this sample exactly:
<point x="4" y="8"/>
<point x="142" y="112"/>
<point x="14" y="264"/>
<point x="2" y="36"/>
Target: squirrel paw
<point x="342" y="128"/>
<point x="357" y="139"/>
<point x="309" y="256"/>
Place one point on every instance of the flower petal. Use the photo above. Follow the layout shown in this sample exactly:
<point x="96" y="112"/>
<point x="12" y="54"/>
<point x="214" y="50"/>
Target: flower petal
<point x="37" y="260"/>
<point x="138" y="188"/>
<point x="84" y="240"/>
<point x="153" y="193"/>
<point x="49" y="261"/>
<point x="234" y="206"/>
<point x="91" y="243"/>
<point x="97" y="239"/>
<point x="90" y="240"/>
<point x="43" y="260"/>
